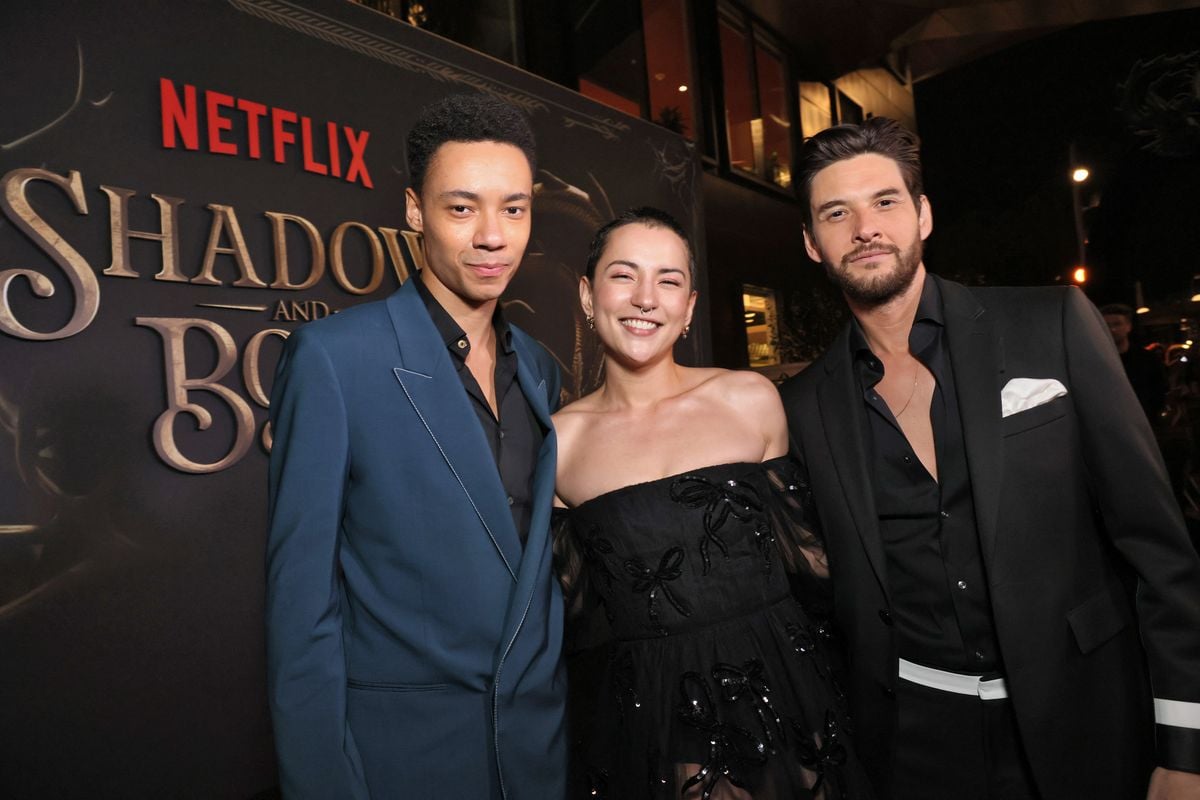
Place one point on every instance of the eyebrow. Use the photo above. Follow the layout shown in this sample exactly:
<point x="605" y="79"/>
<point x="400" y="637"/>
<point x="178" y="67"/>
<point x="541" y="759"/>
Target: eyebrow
<point x="635" y="265"/>
<point x="463" y="194"/>
<point x="839" y="202"/>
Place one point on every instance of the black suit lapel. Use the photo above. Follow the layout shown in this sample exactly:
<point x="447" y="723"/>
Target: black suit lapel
<point x="839" y="398"/>
<point x="977" y="355"/>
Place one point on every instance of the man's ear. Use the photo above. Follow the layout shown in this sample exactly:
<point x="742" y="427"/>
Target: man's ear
<point x="925" y="217"/>
<point x="412" y="210"/>
<point x="810" y="246"/>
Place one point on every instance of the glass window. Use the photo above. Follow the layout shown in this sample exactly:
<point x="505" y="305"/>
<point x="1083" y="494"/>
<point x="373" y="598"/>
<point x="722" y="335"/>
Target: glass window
<point x="609" y="98"/>
<point x="816" y="108"/>
<point x="742" y="125"/>
<point x="848" y="110"/>
<point x="609" y="53"/>
<point x="669" y="65"/>
<point x="773" y="107"/>
<point x="758" y="116"/>
<point x="762" y="325"/>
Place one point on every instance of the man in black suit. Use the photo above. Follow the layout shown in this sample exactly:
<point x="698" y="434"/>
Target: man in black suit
<point x="990" y="496"/>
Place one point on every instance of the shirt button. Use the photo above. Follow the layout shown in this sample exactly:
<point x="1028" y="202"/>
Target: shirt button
<point x="889" y="691"/>
<point x="908" y="459"/>
<point x="462" y="344"/>
<point x="945" y="515"/>
<point x="962" y="584"/>
<point x="510" y="500"/>
<point x="501" y="434"/>
<point x="886" y="616"/>
<point x="979" y="655"/>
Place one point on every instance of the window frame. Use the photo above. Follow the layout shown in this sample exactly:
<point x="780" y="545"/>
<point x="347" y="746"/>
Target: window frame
<point x="754" y="29"/>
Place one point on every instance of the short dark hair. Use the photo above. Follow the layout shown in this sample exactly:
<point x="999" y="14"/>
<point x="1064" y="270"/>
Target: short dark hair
<point x="643" y="215"/>
<point x="466" y="118"/>
<point x="878" y="135"/>
<point x="1117" y="308"/>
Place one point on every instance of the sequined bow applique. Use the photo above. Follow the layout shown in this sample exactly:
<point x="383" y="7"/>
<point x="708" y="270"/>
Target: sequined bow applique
<point x="595" y="550"/>
<point x="823" y="753"/>
<point x="720" y="501"/>
<point x="806" y="639"/>
<point x="746" y="683"/>
<point x="655" y="581"/>
<point x="731" y="749"/>
<point x="621" y="669"/>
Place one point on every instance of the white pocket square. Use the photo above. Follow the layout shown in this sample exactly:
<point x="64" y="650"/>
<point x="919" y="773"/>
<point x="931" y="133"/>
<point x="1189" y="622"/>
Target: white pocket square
<point x="1022" y="394"/>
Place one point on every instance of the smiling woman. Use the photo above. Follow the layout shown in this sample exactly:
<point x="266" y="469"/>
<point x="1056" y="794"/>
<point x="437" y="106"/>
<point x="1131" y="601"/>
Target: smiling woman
<point x="683" y="519"/>
<point x="640" y="297"/>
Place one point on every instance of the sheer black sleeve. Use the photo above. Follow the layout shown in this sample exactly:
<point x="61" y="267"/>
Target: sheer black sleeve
<point x="794" y="518"/>
<point x="583" y="610"/>
<point x="797" y="532"/>
<point x="568" y="560"/>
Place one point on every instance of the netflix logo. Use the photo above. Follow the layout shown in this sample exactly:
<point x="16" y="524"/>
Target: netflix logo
<point x="337" y="151"/>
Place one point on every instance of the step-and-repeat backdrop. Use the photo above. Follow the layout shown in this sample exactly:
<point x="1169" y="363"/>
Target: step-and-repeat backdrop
<point x="182" y="185"/>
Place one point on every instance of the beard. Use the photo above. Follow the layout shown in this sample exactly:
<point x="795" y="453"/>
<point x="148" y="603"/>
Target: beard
<point x="878" y="286"/>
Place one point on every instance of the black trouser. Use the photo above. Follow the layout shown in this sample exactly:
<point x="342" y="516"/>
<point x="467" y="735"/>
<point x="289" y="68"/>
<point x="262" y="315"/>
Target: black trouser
<point x="957" y="747"/>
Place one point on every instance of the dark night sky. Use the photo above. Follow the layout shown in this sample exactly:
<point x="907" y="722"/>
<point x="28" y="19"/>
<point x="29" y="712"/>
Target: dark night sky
<point x="996" y="136"/>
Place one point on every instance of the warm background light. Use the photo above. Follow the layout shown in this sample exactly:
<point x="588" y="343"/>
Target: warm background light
<point x="1080" y="174"/>
<point x="1080" y="275"/>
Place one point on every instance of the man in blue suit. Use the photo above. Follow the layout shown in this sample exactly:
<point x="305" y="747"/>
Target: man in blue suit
<point x="413" y="627"/>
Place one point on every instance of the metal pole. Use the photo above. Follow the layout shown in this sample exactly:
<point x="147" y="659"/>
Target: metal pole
<point x="1077" y="210"/>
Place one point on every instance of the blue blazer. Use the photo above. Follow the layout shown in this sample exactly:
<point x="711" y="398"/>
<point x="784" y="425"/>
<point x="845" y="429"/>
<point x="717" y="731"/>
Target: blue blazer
<point x="413" y="644"/>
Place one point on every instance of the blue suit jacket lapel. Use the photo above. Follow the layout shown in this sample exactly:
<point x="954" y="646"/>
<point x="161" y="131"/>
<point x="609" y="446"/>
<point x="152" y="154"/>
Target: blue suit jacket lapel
<point x="430" y="382"/>
<point x="542" y="491"/>
<point x="532" y="576"/>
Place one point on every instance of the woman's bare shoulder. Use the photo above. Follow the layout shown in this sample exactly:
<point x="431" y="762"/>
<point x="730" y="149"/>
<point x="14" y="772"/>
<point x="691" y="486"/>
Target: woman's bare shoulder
<point x="576" y="409"/>
<point x="573" y="419"/>
<point x="740" y="387"/>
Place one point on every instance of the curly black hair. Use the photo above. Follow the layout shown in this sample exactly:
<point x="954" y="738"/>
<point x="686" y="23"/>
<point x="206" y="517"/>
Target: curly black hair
<point x="466" y="118"/>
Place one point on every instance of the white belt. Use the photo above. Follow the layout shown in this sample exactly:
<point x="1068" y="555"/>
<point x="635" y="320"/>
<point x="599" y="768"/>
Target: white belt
<point x="994" y="689"/>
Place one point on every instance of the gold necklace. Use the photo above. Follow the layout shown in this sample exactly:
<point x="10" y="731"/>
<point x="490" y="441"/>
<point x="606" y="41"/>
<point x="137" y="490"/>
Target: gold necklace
<point x="913" y="393"/>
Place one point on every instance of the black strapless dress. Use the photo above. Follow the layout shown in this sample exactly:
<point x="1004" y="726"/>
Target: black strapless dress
<point x="708" y="667"/>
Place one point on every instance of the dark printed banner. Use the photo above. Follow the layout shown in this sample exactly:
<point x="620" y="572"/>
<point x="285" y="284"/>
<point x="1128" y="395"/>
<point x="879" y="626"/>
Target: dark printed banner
<point x="182" y="184"/>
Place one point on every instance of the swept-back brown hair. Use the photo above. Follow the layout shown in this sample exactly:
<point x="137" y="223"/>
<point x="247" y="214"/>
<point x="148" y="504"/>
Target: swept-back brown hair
<point x="878" y="135"/>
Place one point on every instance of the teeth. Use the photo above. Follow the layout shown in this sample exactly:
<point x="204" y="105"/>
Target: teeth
<point x="639" y="324"/>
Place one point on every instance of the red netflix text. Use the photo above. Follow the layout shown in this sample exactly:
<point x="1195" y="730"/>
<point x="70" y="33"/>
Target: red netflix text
<point x="275" y="130"/>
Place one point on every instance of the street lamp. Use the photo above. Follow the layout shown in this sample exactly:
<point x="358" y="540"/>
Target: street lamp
<point x="1079" y="174"/>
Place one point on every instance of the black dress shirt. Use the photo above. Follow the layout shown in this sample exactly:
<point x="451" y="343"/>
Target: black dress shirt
<point x="516" y="436"/>
<point x="935" y="572"/>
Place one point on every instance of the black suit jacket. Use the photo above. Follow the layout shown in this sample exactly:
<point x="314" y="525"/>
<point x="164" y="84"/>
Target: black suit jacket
<point x="1073" y="508"/>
